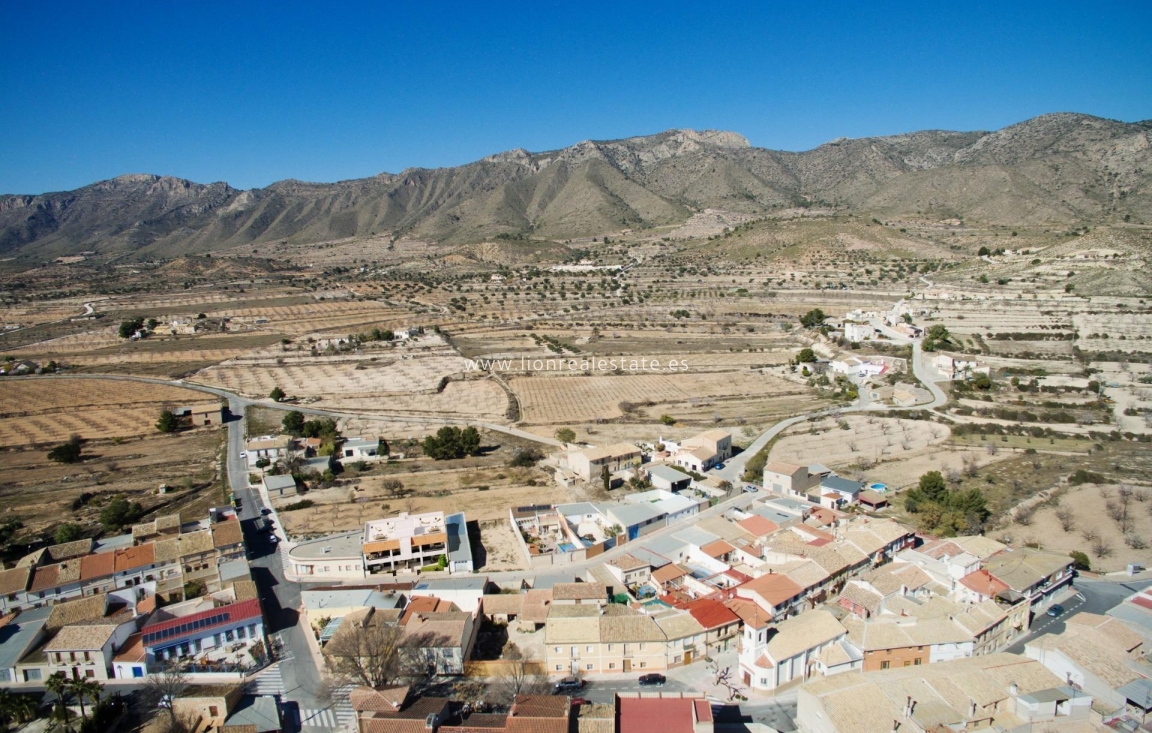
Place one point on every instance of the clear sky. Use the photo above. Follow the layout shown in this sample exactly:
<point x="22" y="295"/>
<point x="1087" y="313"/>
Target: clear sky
<point x="254" y="92"/>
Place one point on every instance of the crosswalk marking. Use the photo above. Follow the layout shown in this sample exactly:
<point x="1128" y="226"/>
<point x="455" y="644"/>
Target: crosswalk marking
<point x="310" y="718"/>
<point x="268" y="682"/>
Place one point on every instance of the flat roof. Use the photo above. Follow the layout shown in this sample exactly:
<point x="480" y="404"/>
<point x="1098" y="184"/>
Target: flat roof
<point x="470" y="583"/>
<point x="459" y="548"/>
<point x="279" y="482"/>
<point x="347" y="545"/>
<point x="668" y="473"/>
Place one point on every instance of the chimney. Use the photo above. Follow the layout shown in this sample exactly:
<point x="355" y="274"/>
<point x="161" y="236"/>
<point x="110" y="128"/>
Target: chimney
<point x="895" y="726"/>
<point x="908" y="707"/>
<point x="1013" y="690"/>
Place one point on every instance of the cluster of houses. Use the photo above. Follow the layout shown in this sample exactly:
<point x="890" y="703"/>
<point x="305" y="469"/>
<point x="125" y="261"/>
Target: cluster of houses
<point x="120" y="607"/>
<point x="402" y="544"/>
<point x="698" y="454"/>
<point x="264" y="453"/>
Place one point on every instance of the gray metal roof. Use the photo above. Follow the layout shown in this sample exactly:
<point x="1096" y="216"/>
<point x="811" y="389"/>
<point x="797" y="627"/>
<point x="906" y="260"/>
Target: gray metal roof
<point x="262" y="712"/>
<point x="469" y="583"/>
<point x="234" y="569"/>
<point x="341" y="546"/>
<point x="838" y="483"/>
<point x="669" y="546"/>
<point x="630" y="515"/>
<point x="696" y="536"/>
<point x="773" y="515"/>
<point x="20" y="634"/>
<point x="644" y="554"/>
<point x="459" y="548"/>
<point x="336" y="597"/>
<point x="279" y="482"/>
<point x="669" y="474"/>
<point x="1138" y="691"/>
<point x="580" y="507"/>
<point x="1052" y="694"/>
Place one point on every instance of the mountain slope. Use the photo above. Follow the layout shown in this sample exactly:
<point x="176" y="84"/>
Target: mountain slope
<point x="1058" y="169"/>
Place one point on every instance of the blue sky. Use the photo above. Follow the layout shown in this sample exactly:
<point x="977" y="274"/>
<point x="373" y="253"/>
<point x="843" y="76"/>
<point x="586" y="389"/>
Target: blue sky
<point x="254" y="92"/>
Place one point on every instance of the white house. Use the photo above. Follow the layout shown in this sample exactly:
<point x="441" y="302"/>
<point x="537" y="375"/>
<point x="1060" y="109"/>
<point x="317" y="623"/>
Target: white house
<point x="776" y="655"/>
<point x="857" y="332"/>
<point x="361" y="449"/>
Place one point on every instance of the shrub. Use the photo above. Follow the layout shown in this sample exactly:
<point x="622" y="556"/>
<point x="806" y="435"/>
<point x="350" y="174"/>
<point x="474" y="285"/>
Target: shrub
<point x="302" y="504"/>
<point x="168" y="422"/>
<point x="1080" y="561"/>
<point x="67" y="452"/>
<point x="1082" y="476"/>
<point x="68" y="532"/>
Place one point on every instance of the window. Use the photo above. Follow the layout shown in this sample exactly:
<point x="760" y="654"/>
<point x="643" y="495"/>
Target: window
<point x="883" y="665"/>
<point x="213" y="710"/>
<point x="916" y="662"/>
<point x="907" y="664"/>
<point x="588" y="667"/>
<point x="609" y="647"/>
<point x="587" y="650"/>
<point x="643" y="665"/>
<point x="138" y="672"/>
<point x="559" y="667"/>
<point x="89" y="673"/>
<point x="611" y="665"/>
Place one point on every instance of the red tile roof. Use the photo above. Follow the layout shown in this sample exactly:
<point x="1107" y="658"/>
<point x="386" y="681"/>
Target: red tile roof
<point x="703" y="711"/>
<point x="45" y="577"/>
<point x="758" y="525"/>
<point x="749" y="612"/>
<point x="719" y="548"/>
<point x="656" y="715"/>
<point x="773" y="588"/>
<point x="100" y="565"/>
<point x="984" y="583"/>
<point x="233" y="613"/>
<point x="135" y="557"/>
<point x="1143" y="601"/>
<point x="711" y="613"/>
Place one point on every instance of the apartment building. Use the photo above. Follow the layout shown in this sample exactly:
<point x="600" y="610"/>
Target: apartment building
<point x="404" y="542"/>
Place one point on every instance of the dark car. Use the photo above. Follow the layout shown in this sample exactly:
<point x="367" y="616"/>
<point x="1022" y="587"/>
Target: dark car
<point x="652" y="679"/>
<point x="1055" y="610"/>
<point x="568" y="684"/>
<point x="265" y="511"/>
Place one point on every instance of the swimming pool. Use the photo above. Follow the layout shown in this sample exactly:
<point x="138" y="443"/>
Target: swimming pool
<point x="878" y="488"/>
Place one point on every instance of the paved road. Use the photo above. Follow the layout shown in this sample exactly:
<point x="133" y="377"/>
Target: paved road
<point x="296" y="676"/>
<point x="1093" y="596"/>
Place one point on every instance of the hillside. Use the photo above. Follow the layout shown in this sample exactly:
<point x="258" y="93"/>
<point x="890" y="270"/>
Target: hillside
<point x="1055" y="169"/>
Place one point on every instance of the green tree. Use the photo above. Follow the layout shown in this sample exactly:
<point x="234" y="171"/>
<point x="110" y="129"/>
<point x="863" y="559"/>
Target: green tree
<point x="667" y="420"/>
<point x="127" y="328"/>
<point x="932" y="487"/>
<point x="1080" y="560"/>
<point x="58" y="685"/>
<point x="382" y="447"/>
<point x="168" y="422"/>
<point x="566" y="435"/>
<point x="120" y="513"/>
<point x="293" y="423"/>
<point x="451" y="442"/>
<point x="983" y="252"/>
<point x="606" y="478"/>
<point x="806" y="356"/>
<point x="67" y="452"/>
<point x="812" y="318"/>
<point x="68" y="532"/>
<point x="85" y="689"/>
<point x="277" y="394"/>
<point x="470" y="441"/>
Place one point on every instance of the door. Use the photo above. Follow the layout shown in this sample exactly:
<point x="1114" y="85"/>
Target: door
<point x="627" y="665"/>
<point x="687" y="657"/>
<point x="747" y="678"/>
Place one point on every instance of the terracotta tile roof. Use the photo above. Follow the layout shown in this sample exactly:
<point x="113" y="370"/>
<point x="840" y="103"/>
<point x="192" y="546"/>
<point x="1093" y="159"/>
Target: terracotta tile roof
<point x="146" y="605"/>
<point x="214" y="617"/>
<point x="81" y="637"/>
<point x="133" y="649"/>
<point x="657" y="715"/>
<point x="384" y="700"/>
<point x="68" y="550"/>
<point x="775" y="589"/>
<point x="100" y="565"/>
<point x="503" y="603"/>
<point x="81" y="609"/>
<point x="227" y="533"/>
<point x="671" y="571"/>
<point x="710" y="613"/>
<point x="750" y="613"/>
<point x="579" y="592"/>
<point x="860" y="596"/>
<point x="809" y="630"/>
<point x="131" y="558"/>
<point x="45" y="577"/>
<point x="716" y="549"/>
<point x="628" y="562"/>
<point x="245" y="590"/>
<point x="540" y="706"/>
<point x="984" y="583"/>
<point x="786" y="469"/>
<point x="194" y="543"/>
<point x="167" y="550"/>
<point x="758" y="525"/>
<point x="678" y="624"/>
<point x="536" y="605"/>
<point x="32" y="559"/>
<point x="14" y="580"/>
<point x="626" y="629"/>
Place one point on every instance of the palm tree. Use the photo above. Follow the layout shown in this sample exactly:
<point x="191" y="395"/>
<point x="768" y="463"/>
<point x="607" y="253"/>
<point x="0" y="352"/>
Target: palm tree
<point x="59" y="686"/>
<point x="85" y="688"/>
<point x="6" y="701"/>
<point x="22" y="708"/>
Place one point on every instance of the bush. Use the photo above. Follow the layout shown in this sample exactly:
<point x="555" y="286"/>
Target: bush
<point x="1085" y="477"/>
<point x="168" y="422"/>
<point x="526" y="458"/>
<point x="806" y="356"/>
<point x="302" y="504"/>
<point x="1080" y="561"/>
<point x="67" y="452"/>
<point x="451" y="442"/>
<point x="566" y="435"/>
<point x="120" y="513"/>
<point x="667" y="420"/>
<point x="68" y="532"/>
<point x="277" y="394"/>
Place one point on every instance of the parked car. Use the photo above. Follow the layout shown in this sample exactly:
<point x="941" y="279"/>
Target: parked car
<point x="579" y="701"/>
<point x="265" y="510"/>
<point x="718" y="466"/>
<point x="569" y="684"/>
<point x="243" y="454"/>
<point x="750" y="489"/>
<point x="652" y="679"/>
<point x="274" y="540"/>
<point x="1055" y="610"/>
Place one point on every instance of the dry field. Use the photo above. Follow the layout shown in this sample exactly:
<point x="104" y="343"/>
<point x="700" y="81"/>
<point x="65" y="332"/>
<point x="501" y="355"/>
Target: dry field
<point x="339" y="379"/>
<point x="474" y="399"/>
<point x="42" y="493"/>
<point x="44" y="411"/>
<point x="1089" y="520"/>
<point x="576" y="399"/>
<point x="871" y="438"/>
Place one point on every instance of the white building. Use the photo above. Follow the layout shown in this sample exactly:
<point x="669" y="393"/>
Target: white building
<point x="404" y="542"/>
<point x="361" y="449"/>
<point x="777" y="655"/>
<point x="858" y="332"/>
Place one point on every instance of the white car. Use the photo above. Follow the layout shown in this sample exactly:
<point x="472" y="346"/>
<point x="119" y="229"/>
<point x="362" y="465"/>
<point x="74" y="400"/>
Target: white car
<point x="243" y="454"/>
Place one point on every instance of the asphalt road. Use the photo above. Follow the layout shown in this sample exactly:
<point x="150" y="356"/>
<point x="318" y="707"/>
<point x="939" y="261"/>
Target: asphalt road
<point x="1095" y="596"/>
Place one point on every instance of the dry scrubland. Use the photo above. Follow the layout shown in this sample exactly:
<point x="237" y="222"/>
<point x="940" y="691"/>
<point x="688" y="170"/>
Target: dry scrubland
<point x="726" y="301"/>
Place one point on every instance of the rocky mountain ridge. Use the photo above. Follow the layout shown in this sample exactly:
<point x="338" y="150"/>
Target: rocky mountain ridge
<point x="1054" y="169"/>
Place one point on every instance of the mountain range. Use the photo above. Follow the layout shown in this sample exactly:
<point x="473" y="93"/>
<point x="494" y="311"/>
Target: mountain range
<point x="1056" y="169"/>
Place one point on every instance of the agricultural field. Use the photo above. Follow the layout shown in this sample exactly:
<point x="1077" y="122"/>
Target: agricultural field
<point x="858" y="440"/>
<point x="37" y="412"/>
<point x="577" y="399"/>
